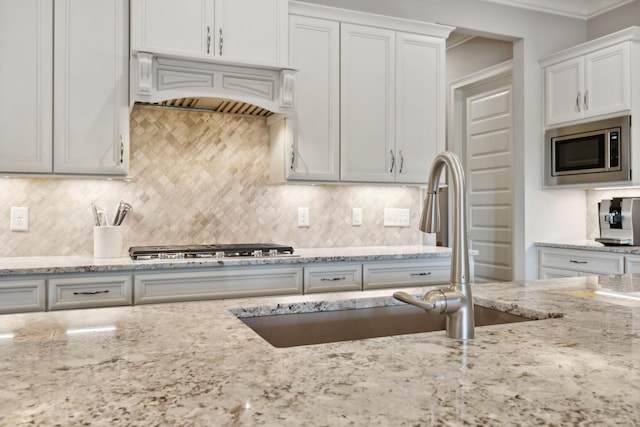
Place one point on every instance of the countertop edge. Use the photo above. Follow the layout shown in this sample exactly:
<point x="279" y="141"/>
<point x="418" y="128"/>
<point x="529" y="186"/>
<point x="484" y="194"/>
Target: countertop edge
<point x="23" y="266"/>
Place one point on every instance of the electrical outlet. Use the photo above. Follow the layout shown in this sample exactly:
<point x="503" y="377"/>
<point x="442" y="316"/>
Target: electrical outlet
<point x="356" y="216"/>
<point x="397" y="217"/>
<point x="303" y="217"/>
<point x="19" y="219"/>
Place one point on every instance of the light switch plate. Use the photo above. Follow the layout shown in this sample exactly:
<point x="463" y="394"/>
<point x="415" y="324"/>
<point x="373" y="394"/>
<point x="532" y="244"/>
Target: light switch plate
<point x="394" y="217"/>
<point x="356" y="216"/>
<point x="303" y="217"/>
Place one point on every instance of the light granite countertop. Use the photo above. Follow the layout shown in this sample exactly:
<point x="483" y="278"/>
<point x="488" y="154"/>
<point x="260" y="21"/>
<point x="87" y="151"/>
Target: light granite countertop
<point x="195" y="364"/>
<point x="83" y="264"/>
<point x="591" y="245"/>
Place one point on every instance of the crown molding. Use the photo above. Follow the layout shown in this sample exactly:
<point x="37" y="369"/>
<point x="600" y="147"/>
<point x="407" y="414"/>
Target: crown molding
<point x="581" y="9"/>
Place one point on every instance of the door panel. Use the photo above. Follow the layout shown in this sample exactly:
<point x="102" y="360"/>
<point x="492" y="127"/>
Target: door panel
<point x="488" y="158"/>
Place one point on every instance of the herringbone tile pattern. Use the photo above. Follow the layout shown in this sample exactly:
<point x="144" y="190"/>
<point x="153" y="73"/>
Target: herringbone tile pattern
<point x="199" y="177"/>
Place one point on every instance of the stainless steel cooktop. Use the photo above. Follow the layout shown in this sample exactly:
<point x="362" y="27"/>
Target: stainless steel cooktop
<point x="171" y="252"/>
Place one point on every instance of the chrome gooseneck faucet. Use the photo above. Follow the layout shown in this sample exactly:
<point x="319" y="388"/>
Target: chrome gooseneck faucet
<point x="455" y="301"/>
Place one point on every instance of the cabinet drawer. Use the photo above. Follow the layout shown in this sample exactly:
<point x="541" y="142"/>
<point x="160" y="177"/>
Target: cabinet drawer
<point x="581" y="261"/>
<point x="632" y="264"/>
<point x="17" y="296"/>
<point x="224" y="282"/>
<point x="90" y="291"/>
<point x="334" y="277"/>
<point x="411" y="273"/>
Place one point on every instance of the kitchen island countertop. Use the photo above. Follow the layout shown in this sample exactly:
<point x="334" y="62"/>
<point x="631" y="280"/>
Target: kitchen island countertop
<point x="83" y="264"/>
<point x="195" y="364"/>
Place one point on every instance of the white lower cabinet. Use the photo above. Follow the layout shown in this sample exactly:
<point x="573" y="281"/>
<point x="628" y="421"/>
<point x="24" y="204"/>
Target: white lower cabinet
<point x="19" y="296"/>
<point x="88" y="291"/>
<point x="406" y="273"/>
<point x="333" y="277"/>
<point x="560" y="262"/>
<point x="632" y="264"/>
<point x="225" y="282"/>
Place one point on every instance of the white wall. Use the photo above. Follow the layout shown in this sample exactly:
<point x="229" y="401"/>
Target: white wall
<point x="475" y="55"/>
<point x="618" y="19"/>
<point x="540" y="215"/>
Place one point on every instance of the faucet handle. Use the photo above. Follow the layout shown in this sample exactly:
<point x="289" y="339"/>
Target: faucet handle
<point x="435" y="301"/>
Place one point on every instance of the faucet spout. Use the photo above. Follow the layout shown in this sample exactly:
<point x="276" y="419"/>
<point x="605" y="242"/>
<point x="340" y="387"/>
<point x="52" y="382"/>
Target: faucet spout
<point x="456" y="300"/>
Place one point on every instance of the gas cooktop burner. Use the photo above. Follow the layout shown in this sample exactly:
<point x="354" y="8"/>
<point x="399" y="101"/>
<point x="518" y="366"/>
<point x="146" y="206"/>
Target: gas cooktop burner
<point x="208" y="251"/>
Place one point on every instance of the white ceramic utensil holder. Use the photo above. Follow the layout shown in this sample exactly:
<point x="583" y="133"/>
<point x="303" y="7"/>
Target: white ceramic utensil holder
<point x="107" y="242"/>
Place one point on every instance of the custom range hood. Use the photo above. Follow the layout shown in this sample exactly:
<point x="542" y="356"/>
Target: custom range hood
<point x="215" y="85"/>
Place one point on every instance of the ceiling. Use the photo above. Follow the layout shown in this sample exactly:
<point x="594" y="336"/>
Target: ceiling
<point x="583" y="9"/>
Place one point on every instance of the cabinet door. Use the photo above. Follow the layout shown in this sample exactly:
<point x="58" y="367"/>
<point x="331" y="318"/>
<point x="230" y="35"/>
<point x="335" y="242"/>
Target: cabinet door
<point x="632" y="264"/>
<point x="332" y="278"/>
<point x="91" y="112"/>
<point x="564" y="83"/>
<point x="406" y="273"/>
<point x="183" y="27"/>
<point x="170" y="286"/>
<point x="607" y="77"/>
<point x="419" y="105"/>
<point x="18" y="296"/>
<point x="315" y="51"/>
<point x="252" y="30"/>
<point x="90" y="291"/>
<point x="26" y="76"/>
<point x="581" y="262"/>
<point x="367" y="104"/>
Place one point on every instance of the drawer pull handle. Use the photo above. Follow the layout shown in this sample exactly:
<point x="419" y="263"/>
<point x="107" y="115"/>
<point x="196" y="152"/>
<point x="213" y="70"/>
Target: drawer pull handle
<point x="106" y="291"/>
<point x="332" y="279"/>
<point x="578" y="262"/>
<point x="421" y="274"/>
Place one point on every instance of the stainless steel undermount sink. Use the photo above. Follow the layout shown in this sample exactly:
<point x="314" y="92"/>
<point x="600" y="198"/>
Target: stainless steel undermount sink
<point x="318" y="327"/>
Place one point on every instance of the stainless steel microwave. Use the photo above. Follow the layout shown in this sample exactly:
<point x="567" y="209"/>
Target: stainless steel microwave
<point x="595" y="153"/>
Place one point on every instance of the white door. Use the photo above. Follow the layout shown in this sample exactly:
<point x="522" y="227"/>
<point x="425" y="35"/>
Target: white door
<point x="184" y="27"/>
<point x="607" y="77"/>
<point x="419" y="105"/>
<point x="91" y="105"/>
<point x="489" y="173"/>
<point x="254" y="30"/>
<point x="26" y="76"/>
<point x="564" y="91"/>
<point x="315" y="52"/>
<point x="367" y="110"/>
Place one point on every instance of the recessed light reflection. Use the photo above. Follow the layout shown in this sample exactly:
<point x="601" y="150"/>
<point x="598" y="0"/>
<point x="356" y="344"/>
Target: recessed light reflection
<point x="617" y="295"/>
<point x="7" y="336"/>
<point x="91" y="330"/>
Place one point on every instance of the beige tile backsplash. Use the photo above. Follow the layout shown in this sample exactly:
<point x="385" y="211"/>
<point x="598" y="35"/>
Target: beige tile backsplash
<point x="199" y="177"/>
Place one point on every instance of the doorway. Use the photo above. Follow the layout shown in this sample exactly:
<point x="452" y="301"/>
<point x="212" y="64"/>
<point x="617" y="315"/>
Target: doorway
<point x="481" y="133"/>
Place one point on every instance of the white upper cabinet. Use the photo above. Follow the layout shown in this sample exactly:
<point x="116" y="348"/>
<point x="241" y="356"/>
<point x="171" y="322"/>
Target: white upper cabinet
<point x="367" y="104"/>
<point x="184" y="26"/>
<point x="64" y="79"/>
<point x="590" y="80"/>
<point x="393" y="109"/>
<point x="26" y="73"/>
<point x="369" y="98"/>
<point x="239" y="30"/>
<point x="420" y="109"/>
<point x="91" y="108"/>
<point x="314" y="149"/>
